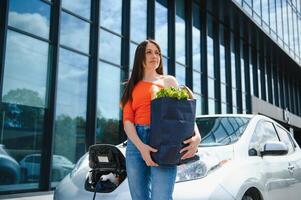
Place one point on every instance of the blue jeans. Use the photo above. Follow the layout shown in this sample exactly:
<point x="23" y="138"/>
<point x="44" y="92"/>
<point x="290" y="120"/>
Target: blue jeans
<point x="148" y="183"/>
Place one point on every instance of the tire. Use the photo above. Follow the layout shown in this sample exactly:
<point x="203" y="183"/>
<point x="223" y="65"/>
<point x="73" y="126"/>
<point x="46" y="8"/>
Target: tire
<point x="8" y="177"/>
<point x="247" y="197"/>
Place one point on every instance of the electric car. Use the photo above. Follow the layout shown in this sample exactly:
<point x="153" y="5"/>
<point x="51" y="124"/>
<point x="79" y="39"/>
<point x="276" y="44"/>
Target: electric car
<point x="241" y="157"/>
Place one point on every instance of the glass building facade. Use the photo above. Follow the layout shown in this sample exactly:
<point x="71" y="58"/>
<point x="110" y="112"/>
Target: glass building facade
<point x="63" y="64"/>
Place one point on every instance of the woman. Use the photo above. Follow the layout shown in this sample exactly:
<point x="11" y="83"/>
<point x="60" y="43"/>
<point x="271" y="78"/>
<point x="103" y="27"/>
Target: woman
<point x="146" y="179"/>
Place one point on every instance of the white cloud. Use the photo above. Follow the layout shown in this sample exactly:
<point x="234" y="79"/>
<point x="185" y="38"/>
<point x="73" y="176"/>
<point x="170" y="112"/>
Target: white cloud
<point x="32" y="23"/>
<point x="26" y="64"/>
<point x="74" y="32"/>
<point x="80" y="7"/>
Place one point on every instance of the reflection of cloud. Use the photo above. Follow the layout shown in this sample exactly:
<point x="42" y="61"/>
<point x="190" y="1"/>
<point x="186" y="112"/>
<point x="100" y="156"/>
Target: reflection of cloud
<point x="108" y="91"/>
<point x="72" y="84"/>
<point x="109" y="47"/>
<point x="138" y="20"/>
<point x="110" y="14"/>
<point x="196" y="44"/>
<point x="75" y="32"/>
<point x="161" y="26"/>
<point x="25" y="64"/>
<point x="80" y="7"/>
<point x="180" y="40"/>
<point x="32" y="23"/>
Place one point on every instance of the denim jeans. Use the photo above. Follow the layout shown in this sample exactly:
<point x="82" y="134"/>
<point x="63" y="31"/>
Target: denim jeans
<point x="147" y="183"/>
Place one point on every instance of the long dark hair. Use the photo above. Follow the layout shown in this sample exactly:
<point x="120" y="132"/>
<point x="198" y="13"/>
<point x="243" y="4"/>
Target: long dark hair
<point x="138" y="70"/>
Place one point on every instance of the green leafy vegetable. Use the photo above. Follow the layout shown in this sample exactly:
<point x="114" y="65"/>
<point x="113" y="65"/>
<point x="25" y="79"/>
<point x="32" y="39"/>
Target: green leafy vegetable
<point x="173" y="92"/>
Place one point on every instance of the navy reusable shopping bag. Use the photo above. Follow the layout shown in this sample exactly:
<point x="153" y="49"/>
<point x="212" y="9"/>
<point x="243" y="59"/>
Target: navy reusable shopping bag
<point x="172" y="122"/>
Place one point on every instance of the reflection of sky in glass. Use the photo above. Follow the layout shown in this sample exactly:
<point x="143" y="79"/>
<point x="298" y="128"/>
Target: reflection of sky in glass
<point x="210" y="88"/>
<point x="196" y="82"/>
<point x="251" y="79"/>
<point x="79" y="7"/>
<point x="222" y="64"/>
<point x="272" y="15"/>
<point x="74" y="32"/>
<point x="223" y="92"/>
<point x="259" y="82"/>
<point x="234" y="110"/>
<point x="279" y="19"/>
<point x="161" y="26"/>
<point x="234" y="102"/>
<point x="244" y="107"/>
<point x="198" y="104"/>
<point x="132" y="54"/>
<point x="242" y="66"/>
<point x="26" y="64"/>
<point x="285" y="30"/>
<point x="210" y="61"/>
<point x="211" y="107"/>
<point x="256" y="6"/>
<point x="224" y="108"/>
<point x="109" y="47"/>
<point x="30" y="15"/>
<point x="290" y="28"/>
<point x="196" y="37"/>
<point x="164" y="65"/>
<point x="138" y="20"/>
<point x="180" y="74"/>
<point x="110" y="14"/>
<point x="266" y="83"/>
<point x="180" y="40"/>
<point x="196" y="49"/>
<point x="233" y="71"/>
<point x="265" y="11"/>
<point x="180" y="31"/>
<point x="108" y="91"/>
<point x="72" y="84"/>
<point x="296" y="42"/>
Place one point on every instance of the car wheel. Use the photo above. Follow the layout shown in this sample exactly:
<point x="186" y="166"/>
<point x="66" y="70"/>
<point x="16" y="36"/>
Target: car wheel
<point x="7" y="177"/>
<point x="247" y="197"/>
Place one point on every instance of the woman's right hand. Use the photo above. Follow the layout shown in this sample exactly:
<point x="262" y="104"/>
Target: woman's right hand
<point x="145" y="151"/>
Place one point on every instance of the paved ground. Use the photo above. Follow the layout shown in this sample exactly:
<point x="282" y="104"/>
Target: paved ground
<point x="29" y="196"/>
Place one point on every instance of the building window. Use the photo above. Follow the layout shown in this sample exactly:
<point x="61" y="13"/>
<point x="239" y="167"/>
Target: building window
<point x="108" y="110"/>
<point x="74" y="32"/>
<point x="26" y="65"/>
<point x="110" y="15"/>
<point x="79" y="7"/>
<point x="31" y="16"/>
<point x="22" y="110"/>
<point x="70" y="119"/>
<point x="161" y="34"/>
<point x="138" y="20"/>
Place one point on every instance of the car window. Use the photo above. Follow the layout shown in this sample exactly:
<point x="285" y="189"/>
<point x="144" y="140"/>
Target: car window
<point x="221" y="130"/>
<point x="284" y="137"/>
<point x="33" y="159"/>
<point x="263" y="133"/>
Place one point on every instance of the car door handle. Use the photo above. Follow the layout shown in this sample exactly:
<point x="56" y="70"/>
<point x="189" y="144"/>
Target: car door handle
<point x="291" y="167"/>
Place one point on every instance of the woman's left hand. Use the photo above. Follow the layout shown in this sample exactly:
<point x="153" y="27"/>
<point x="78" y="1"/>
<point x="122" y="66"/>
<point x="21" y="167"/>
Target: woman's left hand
<point x="192" y="147"/>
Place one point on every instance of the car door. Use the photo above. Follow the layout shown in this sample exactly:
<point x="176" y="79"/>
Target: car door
<point x="294" y="161"/>
<point x="273" y="169"/>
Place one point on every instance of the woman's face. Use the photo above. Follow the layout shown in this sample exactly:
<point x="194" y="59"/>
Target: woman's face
<point x="152" y="57"/>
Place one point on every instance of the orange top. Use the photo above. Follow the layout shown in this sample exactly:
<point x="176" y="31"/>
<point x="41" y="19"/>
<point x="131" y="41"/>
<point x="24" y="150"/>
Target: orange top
<point x="138" y="110"/>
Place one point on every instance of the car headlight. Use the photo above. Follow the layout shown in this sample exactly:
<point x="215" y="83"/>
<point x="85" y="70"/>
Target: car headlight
<point x="80" y="163"/>
<point x="197" y="169"/>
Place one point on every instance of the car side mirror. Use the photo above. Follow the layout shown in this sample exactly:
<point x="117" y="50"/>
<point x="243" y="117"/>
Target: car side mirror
<point x="274" y="148"/>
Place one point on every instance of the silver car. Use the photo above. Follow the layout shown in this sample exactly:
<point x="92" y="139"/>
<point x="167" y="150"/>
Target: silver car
<point x="242" y="157"/>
